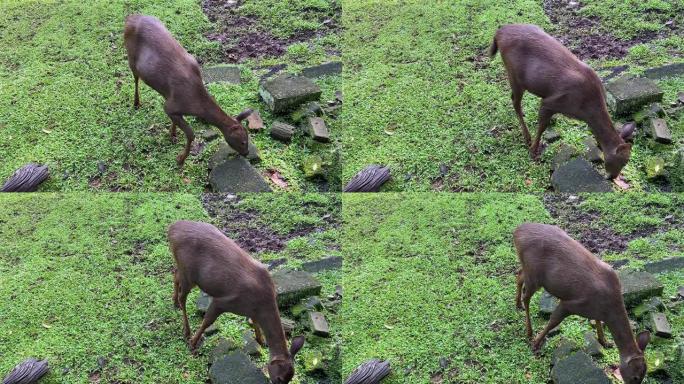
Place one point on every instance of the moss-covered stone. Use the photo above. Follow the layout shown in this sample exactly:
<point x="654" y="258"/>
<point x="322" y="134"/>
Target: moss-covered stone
<point x="288" y="91"/>
<point x="628" y="94"/>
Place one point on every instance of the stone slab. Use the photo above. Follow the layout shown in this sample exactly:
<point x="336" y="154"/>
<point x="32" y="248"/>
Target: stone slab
<point x="325" y="264"/>
<point x="668" y="70"/>
<point x="225" y="152"/>
<point x="203" y="302"/>
<point x="660" y="325"/>
<point x="659" y="131"/>
<point x="237" y="175"/>
<point x="282" y="131"/>
<point x="236" y="368"/>
<point x="578" y="368"/>
<point x="547" y="304"/>
<point x="665" y="265"/>
<point x="578" y="175"/>
<point x="317" y="129"/>
<point x="319" y="325"/>
<point x="591" y="150"/>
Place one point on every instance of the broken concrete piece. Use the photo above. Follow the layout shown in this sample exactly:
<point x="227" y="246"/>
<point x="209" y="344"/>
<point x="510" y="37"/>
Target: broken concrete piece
<point x="551" y="136"/>
<point x="237" y="175"/>
<point x="203" y="302"/>
<point x="310" y="109"/>
<point x="564" y="349"/>
<point x="638" y="286"/>
<point x="591" y="345"/>
<point x="578" y="368"/>
<point x="680" y="292"/>
<point x="564" y="154"/>
<point x="659" y="131"/>
<point x="221" y="73"/>
<point x="655" y="167"/>
<point x="317" y="129"/>
<point x="287" y="92"/>
<point x="292" y="286"/>
<point x="250" y="345"/>
<point x="281" y="131"/>
<point x="319" y="325"/>
<point x="591" y="150"/>
<point x="325" y="264"/>
<point x="665" y="265"/>
<point x="547" y="304"/>
<point x="289" y="325"/>
<point x="660" y="325"/>
<point x="669" y="70"/>
<point x="578" y="176"/>
<point x="254" y="121"/>
<point x="325" y="69"/>
<point x="236" y="368"/>
<point x="313" y="166"/>
<point x="223" y="348"/>
<point x="654" y="304"/>
<point x="628" y="94"/>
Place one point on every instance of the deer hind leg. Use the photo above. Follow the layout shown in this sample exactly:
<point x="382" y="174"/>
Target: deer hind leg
<point x="557" y="316"/>
<point x="517" y="93"/>
<point x="527" y="293"/>
<point x="519" y="281"/>
<point x="176" y="288"/>
<point x="172" y="132"/>
<point x="545" y="114"/>
<point x="183" y="291"/>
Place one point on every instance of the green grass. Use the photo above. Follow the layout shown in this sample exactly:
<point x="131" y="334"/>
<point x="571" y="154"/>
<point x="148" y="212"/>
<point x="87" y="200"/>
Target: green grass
<point x="66" y="96"/>
<point x="422" y="94"/>
<point x="431" y="277"/>
<point x="89" y="275"/>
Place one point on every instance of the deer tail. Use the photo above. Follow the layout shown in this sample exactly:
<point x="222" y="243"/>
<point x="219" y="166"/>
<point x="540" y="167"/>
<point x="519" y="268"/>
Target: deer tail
<point x="493" y="49"/>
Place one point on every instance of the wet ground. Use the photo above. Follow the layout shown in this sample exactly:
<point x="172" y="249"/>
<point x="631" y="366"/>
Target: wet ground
<point x="584" y="226"/>
<point x="244" y="37"/>
<point x="588" y="38"/>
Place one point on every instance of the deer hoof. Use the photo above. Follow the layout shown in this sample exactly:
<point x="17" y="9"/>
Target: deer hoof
<point x="180" y="160"/>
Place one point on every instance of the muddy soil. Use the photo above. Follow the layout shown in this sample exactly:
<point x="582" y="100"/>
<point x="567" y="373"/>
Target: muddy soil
<point x="247" y="228"/>
<point x="242" y="37"/>
<point x="581" y="225"/>
<point x="585" y="35"/>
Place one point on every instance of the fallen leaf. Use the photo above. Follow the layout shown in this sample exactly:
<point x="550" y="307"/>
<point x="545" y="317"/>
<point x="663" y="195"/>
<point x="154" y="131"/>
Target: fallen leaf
<point x="388" y="326"/>
<point x="277" y="179"/>
<point x="254" y="121"/>
<point x="47" y="131"/>
<point x="187" y="180"/>
<point x="528" y="182"/>
<point x="390" y="129"/>
<point x="46" y="326"/>
<point x="621" y="183"/>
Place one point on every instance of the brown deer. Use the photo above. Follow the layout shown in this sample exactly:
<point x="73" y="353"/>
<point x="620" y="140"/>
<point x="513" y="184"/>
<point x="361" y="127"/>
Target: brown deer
<point x="162" y="63"/>
<point x="585" y="286"/>
<point x="205" y="257"/>
<point x="538" y="63"/>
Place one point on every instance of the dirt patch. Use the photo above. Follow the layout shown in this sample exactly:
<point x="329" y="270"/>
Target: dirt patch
<point x="579" y="224"/>
<point x="585" y="35"/>
<point x="243" y="37"/>
<point x="248" y="229"/>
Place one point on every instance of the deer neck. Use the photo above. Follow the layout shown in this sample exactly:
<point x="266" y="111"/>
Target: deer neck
<point x="214" y="115"/>
<point x="602" y="127"/>
<point x="622" y="334"/>
<point x="269" y="321"/>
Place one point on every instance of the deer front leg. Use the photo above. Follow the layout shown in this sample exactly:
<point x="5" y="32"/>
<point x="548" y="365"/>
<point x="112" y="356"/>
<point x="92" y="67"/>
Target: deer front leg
<point x="209" y="318"/>
<point x="519" y="281"/>
<point x="601" y="336"/>
<point x="557" y="316"/>
<point x="258" y="335"/>
<point x="136" y="98"/>
<point x="526" y="302"/>
<point x="176" y="288"/>
<point x="516" y="96"/>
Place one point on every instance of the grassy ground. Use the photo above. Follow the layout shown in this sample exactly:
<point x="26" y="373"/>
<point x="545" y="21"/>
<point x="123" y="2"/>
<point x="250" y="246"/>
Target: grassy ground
<point x="66" y="94"/>
<point x="432" y="284"/>
<point x="424" y="98"/>
<point x="87" y="282"/>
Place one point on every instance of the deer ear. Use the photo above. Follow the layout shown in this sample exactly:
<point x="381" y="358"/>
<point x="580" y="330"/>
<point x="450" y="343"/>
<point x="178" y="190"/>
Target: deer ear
<point x="243" y="115"/>
<point x="627" y="130"/>
<point x="623" y="150"/>
<point x="297" y="344"/>
<point x="642" y="340"/>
